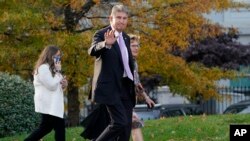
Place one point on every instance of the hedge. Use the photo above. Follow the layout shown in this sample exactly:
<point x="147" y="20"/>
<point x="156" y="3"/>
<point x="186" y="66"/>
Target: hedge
<point x="16" y="105"/>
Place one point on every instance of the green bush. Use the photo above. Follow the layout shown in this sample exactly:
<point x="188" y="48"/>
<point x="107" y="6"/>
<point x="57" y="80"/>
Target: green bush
<point x="16" y="105"/>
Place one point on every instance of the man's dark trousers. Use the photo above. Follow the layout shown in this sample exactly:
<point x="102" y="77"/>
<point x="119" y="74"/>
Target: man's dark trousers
<point x="121" y="116"/>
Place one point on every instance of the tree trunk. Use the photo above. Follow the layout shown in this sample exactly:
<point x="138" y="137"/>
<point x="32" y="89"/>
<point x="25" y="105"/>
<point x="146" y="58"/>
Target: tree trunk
<point x="73" y="105"/>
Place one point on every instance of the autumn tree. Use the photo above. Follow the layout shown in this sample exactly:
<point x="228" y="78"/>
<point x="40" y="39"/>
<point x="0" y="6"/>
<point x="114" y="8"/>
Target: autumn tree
<point x="27" y="26"/>
<point x="164" y="25"/>
<point x="176" y="25"/>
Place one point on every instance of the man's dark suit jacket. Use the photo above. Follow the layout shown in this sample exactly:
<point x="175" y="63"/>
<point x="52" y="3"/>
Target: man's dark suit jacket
<point x="108" y="71"/>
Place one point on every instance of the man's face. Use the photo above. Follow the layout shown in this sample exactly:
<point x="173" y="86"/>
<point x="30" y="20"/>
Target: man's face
<point x="119" y="21"/>
<point x="134" y="45"/>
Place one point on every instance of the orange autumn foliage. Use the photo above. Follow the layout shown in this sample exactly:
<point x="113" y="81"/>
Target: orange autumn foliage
<point x="173" y="24"/>
<point x="164" y="25"/>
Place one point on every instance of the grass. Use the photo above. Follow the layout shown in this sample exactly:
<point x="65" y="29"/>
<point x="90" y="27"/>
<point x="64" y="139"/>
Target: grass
<point x="190" y="128"/>
<point x="72" y="134"/>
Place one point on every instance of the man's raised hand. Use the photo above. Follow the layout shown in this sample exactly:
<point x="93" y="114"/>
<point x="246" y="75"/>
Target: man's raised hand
<point x="110" y="37"/>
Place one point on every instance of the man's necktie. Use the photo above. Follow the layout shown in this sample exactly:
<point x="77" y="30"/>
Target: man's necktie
<point x="124" y="53"/>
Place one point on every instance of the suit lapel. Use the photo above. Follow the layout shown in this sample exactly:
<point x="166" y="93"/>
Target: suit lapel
<point x="126" y="41"/>
<point x="117" y="49"/>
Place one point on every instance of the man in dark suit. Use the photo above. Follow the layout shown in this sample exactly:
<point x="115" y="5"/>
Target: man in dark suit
<point x="113" y="84"/>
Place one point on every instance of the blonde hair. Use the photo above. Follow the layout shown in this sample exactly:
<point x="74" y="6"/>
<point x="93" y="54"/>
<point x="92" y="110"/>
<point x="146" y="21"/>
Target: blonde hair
<point x="134" y="37"/>
<point x="46" y="57"/>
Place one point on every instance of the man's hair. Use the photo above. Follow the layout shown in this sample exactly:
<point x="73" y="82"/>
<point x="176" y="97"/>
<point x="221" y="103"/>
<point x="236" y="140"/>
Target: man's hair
<point x="119" y="8"/>
<point x="134" y="37"/>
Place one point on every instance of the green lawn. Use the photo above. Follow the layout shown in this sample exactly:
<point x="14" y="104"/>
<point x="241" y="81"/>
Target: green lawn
<point x="192" y="128"/>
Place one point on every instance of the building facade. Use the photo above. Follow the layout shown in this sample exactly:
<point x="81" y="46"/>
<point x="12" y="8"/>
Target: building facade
<point x="237" y="18"/>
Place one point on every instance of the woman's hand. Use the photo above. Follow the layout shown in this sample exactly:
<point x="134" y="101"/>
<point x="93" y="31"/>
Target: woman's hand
<point x="149" y="101"/>
<point x="135" y="117"/>
<point x="64" y="82"/>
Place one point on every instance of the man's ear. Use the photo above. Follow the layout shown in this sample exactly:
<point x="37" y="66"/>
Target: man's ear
<point x="110" y="18"/>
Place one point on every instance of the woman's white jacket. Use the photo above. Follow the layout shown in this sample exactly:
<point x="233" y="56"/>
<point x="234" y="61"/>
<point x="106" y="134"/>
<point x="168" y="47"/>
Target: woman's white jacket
<point x="49" y="98"/>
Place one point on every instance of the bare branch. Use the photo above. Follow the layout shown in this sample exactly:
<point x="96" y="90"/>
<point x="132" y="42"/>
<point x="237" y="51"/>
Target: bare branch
<point x="72" y="17"/>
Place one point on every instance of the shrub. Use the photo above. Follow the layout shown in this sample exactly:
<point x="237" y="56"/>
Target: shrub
<point x="16" y="105"/>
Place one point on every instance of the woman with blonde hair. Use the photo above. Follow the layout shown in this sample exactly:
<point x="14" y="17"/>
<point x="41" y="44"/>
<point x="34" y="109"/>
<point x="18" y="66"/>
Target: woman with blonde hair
<point x="137" y="124"/>
<point x="49" y="99"/>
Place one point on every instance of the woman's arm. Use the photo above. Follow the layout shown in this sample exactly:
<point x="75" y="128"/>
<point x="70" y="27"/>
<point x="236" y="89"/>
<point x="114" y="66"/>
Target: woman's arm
<point x="141" y="91"/>
<point x="46" y="78"/>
